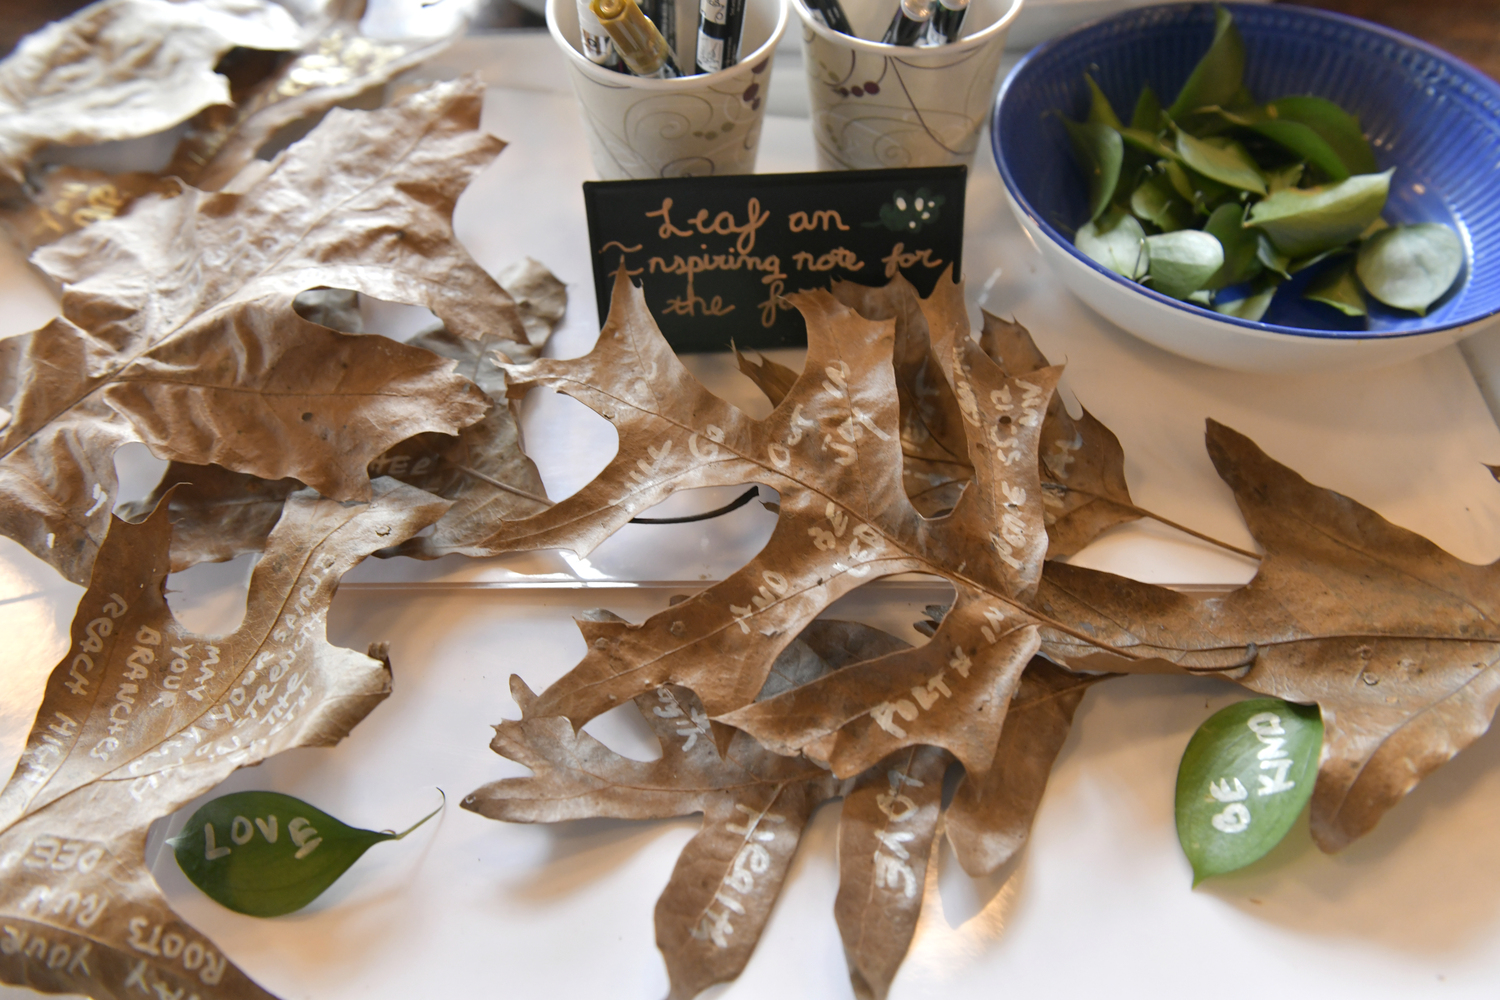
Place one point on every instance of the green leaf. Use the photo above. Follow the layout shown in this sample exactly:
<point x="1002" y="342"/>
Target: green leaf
<point x="1100" y="152"/>
<point x="1305" y="221"/>
<point x="1286" y="177"/>
<point x="1339" y="288"/>
<point x="1333" y="124"/>
<point x="1241" y="246"/>
<point x="1100" y="111"/>
<point x="1253" y="306"/>
<point x="1271" y="258"/>
<point x="1227" y="163"/>
<point x="1155" y="201"/>
<point x="1304" y="142"/>
<point x="1147" y="114"/>
<point x="266" y="854"/>
<point x="1117" y="241"/>
<point x="1410" y="267"/>
<point x="1217" y="77"/>
<point x="1149" y="142"/>
<point x="1245" y="776"/>
<point x="1182" y="262"/>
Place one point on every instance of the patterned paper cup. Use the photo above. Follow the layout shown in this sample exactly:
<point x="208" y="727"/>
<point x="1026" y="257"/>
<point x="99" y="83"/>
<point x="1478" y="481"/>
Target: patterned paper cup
<point x="689" y="127"/>
<point x="876" y="106"/>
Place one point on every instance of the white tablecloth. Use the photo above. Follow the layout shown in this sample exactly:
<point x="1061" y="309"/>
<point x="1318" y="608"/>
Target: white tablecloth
<point x="1098" y="904"/>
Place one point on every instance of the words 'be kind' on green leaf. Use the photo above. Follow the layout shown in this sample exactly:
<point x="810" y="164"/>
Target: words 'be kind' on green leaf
<point x="266" y="854"/>
<point x="1244" y="778"/>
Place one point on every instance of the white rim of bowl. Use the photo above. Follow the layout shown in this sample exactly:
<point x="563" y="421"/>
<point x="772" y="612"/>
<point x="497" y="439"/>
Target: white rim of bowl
<point x="881" y="49"/>
<point x="1460" y="68"/>
<point x="611" y="78"/>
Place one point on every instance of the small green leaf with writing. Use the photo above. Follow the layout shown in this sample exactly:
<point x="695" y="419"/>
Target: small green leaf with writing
<point x="1410" y="267"/>
<point x="1244" y="778"/>
<point x="266" y="854"/>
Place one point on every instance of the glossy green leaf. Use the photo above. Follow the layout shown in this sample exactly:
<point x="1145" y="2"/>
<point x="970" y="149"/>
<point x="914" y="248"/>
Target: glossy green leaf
<point x="1100" y="110"/>
<point x="1339" y="288"/>
<point x="1116" y="241"/>
<point x="1245" y="776"/>
<point x="266" y="854"/>
<point x="1286" y="177"/>
<point x="1217" y="77"/>
<point x="1155" y="201"/>
<point x="1303" y="263"/>
<point x="1305" y="221"/>
<point x="1181" y="263"/>
<point x="1410" y="267"/>
<point x="1271" y="258"/>
<point x="1148" y="141"/>
<point x="1333" y="124"/>
<point x="1100" y="151"/>
<point x="1225" y="162"/>
<point x="1306" y="143"/>
<point x="1241" y="246"/>
<point x="1253" y="306"/>
<point x="1147" y="114"/>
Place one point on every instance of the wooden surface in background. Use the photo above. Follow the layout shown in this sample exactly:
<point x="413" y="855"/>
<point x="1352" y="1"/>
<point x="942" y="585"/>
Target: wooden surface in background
<point x="1470" y="29"/>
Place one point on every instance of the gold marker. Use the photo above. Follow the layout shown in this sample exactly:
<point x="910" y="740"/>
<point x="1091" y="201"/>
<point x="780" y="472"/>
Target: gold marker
<point x="642" y="47"/>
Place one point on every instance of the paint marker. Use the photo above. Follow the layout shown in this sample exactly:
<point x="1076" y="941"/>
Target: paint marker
<point x="947" y="21"/>
<point x="831" y="14"/>
<point x="909" y="23"/>
<point x="597" y="48"/>
<point x="636" y="39"/>
<point x="663" y="14"/>
<point x="719" y="25"/>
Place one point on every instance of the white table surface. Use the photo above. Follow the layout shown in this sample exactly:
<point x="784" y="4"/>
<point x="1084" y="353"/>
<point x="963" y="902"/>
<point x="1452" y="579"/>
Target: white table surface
<point x="1098" y="904"/>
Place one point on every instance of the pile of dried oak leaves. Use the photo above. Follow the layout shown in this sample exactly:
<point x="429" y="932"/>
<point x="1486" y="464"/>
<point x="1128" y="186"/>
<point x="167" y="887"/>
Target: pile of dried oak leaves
<point x="904" y="445"/>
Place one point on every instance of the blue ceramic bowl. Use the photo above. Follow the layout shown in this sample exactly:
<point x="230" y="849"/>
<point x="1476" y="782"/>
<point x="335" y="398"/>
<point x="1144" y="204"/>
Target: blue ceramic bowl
<point x="1430" y="116"/>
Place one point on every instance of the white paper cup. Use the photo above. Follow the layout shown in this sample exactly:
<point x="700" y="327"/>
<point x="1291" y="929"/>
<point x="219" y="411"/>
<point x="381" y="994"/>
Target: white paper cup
<point x="688" y="127"/>
<point x="876" y="106"/>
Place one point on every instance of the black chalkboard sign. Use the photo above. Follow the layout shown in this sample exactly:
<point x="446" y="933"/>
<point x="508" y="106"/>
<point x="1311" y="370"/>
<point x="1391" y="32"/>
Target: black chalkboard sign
<point x="714" y="255"/>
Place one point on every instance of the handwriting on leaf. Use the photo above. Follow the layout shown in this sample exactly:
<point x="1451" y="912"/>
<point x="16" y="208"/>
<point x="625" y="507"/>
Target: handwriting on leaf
<point x="266" y="854"/>
<point x="1244" y="778"/>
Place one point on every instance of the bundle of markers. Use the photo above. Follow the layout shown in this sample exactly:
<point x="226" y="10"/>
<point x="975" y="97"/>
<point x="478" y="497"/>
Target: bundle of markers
<point x="641" y="37"/>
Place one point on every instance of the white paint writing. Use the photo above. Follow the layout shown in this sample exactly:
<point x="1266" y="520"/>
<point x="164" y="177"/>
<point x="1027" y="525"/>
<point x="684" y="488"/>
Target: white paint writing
<point x="94" y="634"/>
<point x="750" y="861"/>
<point x="58" y="955"/>
<point x="149" y="939"/>
<point x="694" y="721"/>
<point x="1235" y="817"/>
<point x="891" y="868"/>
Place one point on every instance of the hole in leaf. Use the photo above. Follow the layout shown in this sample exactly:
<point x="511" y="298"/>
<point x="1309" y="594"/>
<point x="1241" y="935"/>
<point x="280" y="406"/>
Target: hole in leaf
<point x="570" y="443"/>
<point x="209" y="598"/>
<point x="137" y="472"/>
<point x="624" y="731"/>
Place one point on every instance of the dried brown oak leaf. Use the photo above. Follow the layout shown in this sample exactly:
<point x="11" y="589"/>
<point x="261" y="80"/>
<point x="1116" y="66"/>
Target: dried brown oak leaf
<point x="831" y="449"/>
<point x="335" y="64"/>
<point x="220" y="514"/>
<point x="1083" y="465"/>
<point x="141" y="716"/>
<point x="121" y="69"/>
<point x="755" y="805"/>
<point x="64" y="199"/>
<point x="178" y="328"/>
<point x="1395" y="640"/>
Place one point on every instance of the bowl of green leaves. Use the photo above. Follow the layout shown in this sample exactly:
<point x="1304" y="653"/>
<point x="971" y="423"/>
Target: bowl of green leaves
<point x="1260" y="187"/>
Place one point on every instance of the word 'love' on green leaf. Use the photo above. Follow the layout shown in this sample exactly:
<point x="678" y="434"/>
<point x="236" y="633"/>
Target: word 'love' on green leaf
<point x="266" y="854"/>
<point x="1245" y="776"/>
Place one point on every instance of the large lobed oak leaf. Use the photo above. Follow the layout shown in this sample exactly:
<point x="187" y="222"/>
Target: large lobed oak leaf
<point x="218" y="514"/>
<point x="1395" y="640"/>
<point x="755" y="805"/>
<point x="178" y="328"/>
<point x="831" y="449"/>
<point x="141" y="716"/>
<point x="336" y="63"/>
<point x="121" y="69"/>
